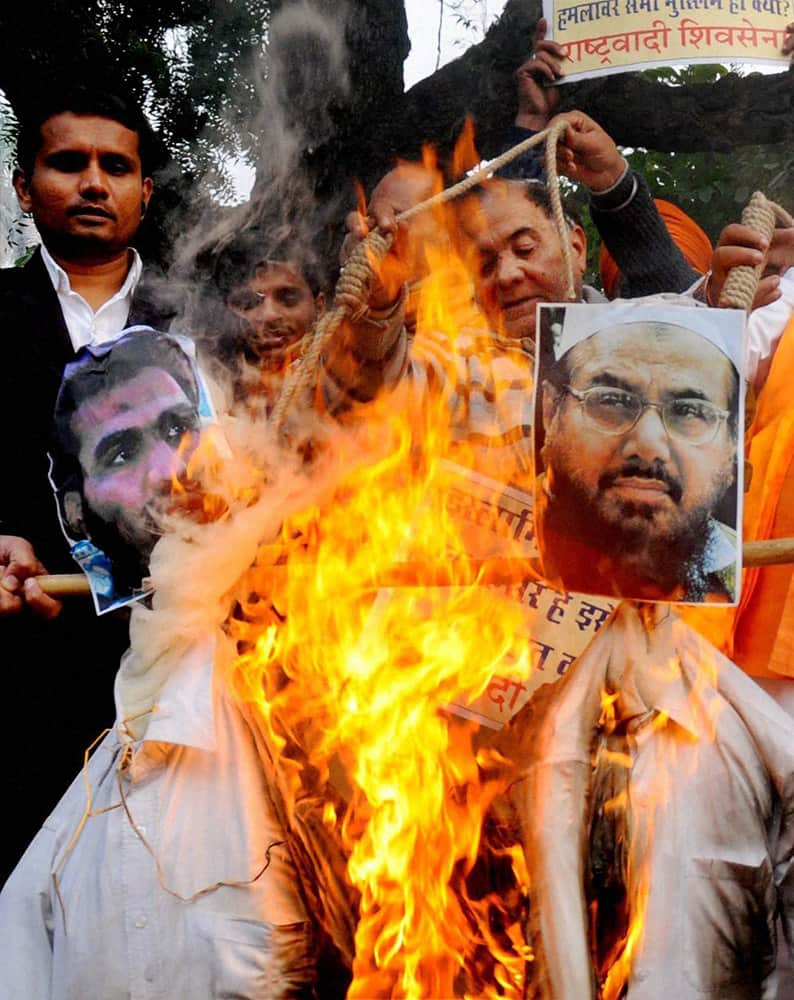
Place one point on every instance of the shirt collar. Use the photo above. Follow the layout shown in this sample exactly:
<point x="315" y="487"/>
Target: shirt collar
<point x="180" y="709"/>
<point x="666" y="688"/>
<point x="62" y="285"/>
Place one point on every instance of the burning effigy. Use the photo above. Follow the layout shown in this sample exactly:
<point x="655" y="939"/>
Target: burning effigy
<point x="421" y="762"/>
<point x="480" y="796"/>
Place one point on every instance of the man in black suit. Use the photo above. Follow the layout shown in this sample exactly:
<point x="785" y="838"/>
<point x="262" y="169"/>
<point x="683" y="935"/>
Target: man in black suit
<point x="84" y="165"/>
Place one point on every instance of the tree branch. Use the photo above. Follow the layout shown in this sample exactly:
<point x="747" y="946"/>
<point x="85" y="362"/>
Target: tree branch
<point x="719" y="116"/>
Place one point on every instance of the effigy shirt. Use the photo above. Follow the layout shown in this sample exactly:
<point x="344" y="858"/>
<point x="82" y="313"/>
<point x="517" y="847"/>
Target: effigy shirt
<point x="709" y="778"/>
<point x="179" y="884"/>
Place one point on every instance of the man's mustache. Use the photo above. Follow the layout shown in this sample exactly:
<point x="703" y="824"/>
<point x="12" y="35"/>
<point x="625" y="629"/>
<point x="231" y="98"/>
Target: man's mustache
<point x="271" y="337"/>
<point x="274" y="329"/>
<point x="642" y="470"/>
<point x="89" y="208"/>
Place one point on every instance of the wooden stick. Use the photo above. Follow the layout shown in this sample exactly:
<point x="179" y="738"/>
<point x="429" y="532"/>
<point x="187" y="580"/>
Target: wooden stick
<point x="771" y="552"/>
<point x="496" y="570"/>
<point x="65" y="585"/>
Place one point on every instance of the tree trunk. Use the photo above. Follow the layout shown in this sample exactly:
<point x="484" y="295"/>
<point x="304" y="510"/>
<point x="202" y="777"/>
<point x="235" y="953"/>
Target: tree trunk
<point x="380" y="123"/>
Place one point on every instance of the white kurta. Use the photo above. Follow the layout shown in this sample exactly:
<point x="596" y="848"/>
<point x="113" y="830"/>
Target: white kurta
<point x="195" y="793"/>
<point x="711" y="790"/>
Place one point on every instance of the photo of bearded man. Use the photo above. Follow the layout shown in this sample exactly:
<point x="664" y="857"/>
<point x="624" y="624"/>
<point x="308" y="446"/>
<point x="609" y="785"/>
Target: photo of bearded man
<point x="637" y="452"/>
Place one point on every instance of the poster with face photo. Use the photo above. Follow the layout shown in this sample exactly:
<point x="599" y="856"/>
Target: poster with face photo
<point x="127" y="418"/>
<point x="638" y="444"/>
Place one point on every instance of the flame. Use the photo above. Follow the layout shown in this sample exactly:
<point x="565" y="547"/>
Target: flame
<point x="368" y="676"/>
<point x="352" y="681"/>
<point x="206" y="485"/>
<point x="361" y="204"/>
<point x="636" y="814"/>
<point x="465" y="155"/>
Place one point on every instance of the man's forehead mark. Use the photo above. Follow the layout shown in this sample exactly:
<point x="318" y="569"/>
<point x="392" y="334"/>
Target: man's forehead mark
<point x="289" y="271"/>
<point x="155" y="387"/>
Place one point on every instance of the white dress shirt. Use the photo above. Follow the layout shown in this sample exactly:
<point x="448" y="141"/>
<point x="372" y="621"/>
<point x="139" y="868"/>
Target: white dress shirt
<point x="84" y="325"/>
<point x="139" y="912"/>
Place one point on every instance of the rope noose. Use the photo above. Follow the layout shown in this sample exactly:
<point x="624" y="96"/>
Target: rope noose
<point x="741" y="284"/>
<point x="760" y="214"/>
<point x="352" y="290"/>
<point x="350" y="302"/>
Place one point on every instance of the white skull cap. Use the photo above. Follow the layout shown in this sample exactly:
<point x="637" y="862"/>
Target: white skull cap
<point x="724" y="328"/>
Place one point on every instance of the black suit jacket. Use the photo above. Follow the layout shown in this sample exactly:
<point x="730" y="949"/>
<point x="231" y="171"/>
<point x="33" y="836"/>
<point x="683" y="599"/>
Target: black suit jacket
<point x="57" y="676"/>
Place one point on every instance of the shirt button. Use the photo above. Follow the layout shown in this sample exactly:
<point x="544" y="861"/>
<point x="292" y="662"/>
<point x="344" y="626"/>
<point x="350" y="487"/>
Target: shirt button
<point x="141" y="921"/>
<point x="141" y="830"/>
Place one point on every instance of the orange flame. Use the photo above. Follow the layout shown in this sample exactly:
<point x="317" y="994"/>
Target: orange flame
<point x="465" y="155"/>
<point x="357" y="680"/>
<point x="353" y="684"/>
<point x="637" y="813"/>
<point x="361" y="203"/>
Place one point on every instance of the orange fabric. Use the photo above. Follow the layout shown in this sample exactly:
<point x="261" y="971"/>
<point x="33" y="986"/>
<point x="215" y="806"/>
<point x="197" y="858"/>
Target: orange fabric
<point x="609" y="271"/>
<point x="758" y="635"/>
<point x="763" y="635"/>
<point x="687" y="235"/>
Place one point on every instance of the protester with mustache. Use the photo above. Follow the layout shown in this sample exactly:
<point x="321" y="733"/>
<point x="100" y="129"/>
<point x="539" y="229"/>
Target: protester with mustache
<point x="85" y="161"/>
<point x="640" y="425"/>
<point x="507" y="237"/>
<point x="257" y="298"/>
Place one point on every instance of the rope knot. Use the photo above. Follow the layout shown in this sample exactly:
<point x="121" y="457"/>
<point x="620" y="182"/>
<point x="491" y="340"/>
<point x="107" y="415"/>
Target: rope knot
<point x="355" y="279"/>
<point x="761" y="215"/>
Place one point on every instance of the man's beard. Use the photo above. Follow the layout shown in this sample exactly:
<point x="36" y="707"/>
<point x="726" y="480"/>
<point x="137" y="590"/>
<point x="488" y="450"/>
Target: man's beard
<point x="129" y="562"/>
<point x="668" y="560"/>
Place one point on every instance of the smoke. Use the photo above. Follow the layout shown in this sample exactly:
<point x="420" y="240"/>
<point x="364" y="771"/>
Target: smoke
<point x="302" y="84"/>
<point x="306" y="83"/>
<point x="252" y="480"/>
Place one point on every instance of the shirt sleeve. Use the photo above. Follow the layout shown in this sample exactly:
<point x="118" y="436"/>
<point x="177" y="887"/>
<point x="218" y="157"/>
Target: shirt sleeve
<point x="765" y="327"/>
<point x="630" y="225"/>
<point x="368" y="354"/>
